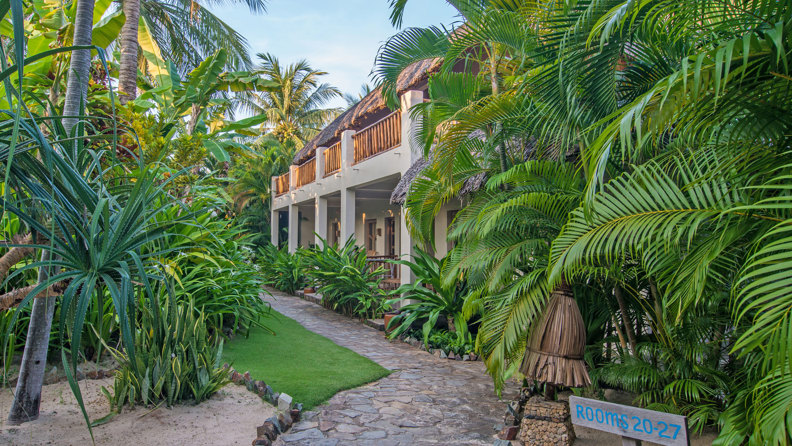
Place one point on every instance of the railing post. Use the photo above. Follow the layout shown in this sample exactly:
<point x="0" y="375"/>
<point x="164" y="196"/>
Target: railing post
<point x="410" y="126"/>
<point x="292" y="177"/>
<point x="320" y="163"/>
<point x="347" y="149"/>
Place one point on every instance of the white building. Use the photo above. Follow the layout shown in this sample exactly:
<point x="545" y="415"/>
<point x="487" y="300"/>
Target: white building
<point x="340" y="184"/>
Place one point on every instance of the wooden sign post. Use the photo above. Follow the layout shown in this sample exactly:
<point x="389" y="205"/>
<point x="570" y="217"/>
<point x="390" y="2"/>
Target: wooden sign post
<point x="632" y="423"/>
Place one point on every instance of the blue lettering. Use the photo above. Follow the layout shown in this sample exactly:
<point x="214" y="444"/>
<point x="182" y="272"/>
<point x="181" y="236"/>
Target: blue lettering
<point x="624" y="423"/>
<point x="580" y="411"/>
<point x="600" y="415"/>
<point x="589" y="414"/>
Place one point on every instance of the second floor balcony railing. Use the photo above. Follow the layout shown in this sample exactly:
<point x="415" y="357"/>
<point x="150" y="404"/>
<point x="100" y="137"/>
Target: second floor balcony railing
<point x="282" y="184"/>
<point x="332" y="159"/>
<point x="379" y="137"/>
<point x="306" y="172"/>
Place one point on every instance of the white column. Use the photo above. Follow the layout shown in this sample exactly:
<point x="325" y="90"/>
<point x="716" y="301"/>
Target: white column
<point x="320" y="220"/>
<point x="274" y="219"/>
<point x="294" y="227"/>
<point x="347" y="215"/>
<point x="406" y="249"/>
<point x="410" y="126"/>
<point x="273" y="213"/>
<point x="347" y="149"/>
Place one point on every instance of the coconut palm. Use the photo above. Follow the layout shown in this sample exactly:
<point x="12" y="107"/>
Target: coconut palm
<point x="295" y="107"/>
<point x="184" y="30"/>
<point x="674" y="115"/>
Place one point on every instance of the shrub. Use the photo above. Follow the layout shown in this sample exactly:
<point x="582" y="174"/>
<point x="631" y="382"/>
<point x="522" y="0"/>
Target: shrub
<point x="175" y="358"/>
<point x="281" y="269"/>
<point x="346" y="281"/>
<point x="434" y="297"/>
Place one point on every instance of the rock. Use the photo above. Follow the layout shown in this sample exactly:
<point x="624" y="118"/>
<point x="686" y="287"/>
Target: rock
<point x="501" y="443"/>
<point x="295" y="415"/>
<point x="451" y="355"/>
<point x="466" y="357"/>
<point x="302" y="436"/>
<point x="268" y="430"/>
<point x="275" y="423"/>
<point x="422" y="399"/>
<point x="236" y="378"/>
<point x="443" y="355"/>
<point x="437" y="352"/>
<point x="372" y="435"/>
<point x="246" y="375"/>
<point x="325" y="425"/>
<point x="474" y="357"/>
<point x="261" y="388"/>
<point x="284" y="402"/>
<point x="262" y="441"/>
<point x="285" y="421"/>
<point x="509" y="433"/>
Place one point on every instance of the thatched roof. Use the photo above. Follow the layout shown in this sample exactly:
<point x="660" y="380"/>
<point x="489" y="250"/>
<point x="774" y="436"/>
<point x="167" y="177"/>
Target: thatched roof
<point x="366" y="111"/>
<point x="399" y="194"/>
<point x="554" y="354"/>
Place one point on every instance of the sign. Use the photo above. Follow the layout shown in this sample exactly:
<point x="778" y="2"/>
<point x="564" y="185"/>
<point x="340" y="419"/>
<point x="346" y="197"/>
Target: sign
<point x="631" y="422"/>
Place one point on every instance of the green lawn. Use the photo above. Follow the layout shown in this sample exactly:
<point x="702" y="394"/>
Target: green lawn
<point x="307" y="366"/>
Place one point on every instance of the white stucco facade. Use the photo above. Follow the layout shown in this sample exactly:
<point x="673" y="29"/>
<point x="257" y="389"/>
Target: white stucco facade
<point x="355" y="200"/>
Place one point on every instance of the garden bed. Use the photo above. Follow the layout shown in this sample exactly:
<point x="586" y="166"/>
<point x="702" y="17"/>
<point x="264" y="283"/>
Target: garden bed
<point x="230" y="417"/>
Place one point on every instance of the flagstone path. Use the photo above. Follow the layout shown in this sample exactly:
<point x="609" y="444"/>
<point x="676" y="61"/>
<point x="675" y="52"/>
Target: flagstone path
<point x="426" y="400"/>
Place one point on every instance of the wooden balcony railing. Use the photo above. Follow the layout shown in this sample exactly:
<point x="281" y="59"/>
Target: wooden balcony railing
<point x="306" y="172"/>
<point x="375" y="262"/>
<point x="379" y="137"/>
<point x="332" y="159"/>
<point x="282" y="184"/>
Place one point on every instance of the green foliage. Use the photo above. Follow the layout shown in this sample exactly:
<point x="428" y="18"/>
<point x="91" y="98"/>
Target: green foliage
<point x="346" y="281"/>
<point x="176" y="359"/>
<point x="433" y="296"/>
<point x="662" y="130"/>
<point x="281" y="269"/>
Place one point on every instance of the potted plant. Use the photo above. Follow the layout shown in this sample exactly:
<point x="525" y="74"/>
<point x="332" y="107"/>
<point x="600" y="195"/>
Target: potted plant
<point x="387" y="318"/>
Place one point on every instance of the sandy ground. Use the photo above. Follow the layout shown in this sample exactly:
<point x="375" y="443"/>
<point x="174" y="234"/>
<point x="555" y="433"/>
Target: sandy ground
<point x="230" y="417"/>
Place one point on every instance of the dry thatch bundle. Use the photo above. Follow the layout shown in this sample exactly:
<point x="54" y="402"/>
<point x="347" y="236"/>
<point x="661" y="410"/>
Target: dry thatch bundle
<point x="554" y="354"/>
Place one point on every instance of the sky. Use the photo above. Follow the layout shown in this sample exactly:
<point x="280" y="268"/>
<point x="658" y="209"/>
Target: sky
<point x="340" y="37"/>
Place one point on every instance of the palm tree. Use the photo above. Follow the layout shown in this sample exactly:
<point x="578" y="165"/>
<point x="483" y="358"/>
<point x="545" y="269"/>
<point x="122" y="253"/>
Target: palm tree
<point x="352" y="99"/>
<point x="184" y="30"/>
<point x="674" y="115"/>
<point x="27" y="395"/>
<point x="295" y="107"/>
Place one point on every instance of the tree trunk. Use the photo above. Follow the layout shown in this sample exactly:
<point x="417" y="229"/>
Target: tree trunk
<point x="80" y="66"/>
<point x="27" y="401"/>
<point x="27" y="397"/>
<point x="628" y="328"/>
<point x="127" y="73"/>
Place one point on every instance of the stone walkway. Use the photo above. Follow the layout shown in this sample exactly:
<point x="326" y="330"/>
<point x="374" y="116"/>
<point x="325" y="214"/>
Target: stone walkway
<point x="426" y="400"/>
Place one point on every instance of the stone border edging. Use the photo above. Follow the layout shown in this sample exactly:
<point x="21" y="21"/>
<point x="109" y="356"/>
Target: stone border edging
<point x="287" y="412"/>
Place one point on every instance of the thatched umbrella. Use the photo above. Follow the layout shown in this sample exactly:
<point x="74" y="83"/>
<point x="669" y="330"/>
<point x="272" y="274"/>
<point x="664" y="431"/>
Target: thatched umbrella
<point x="554" y="354"/>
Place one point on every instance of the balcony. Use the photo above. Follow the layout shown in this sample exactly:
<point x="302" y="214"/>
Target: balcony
<point x="306" y="173"/>
<point x="379" y="137"/>
<point x="282" y="184"/>
<point x="332" y="159"/>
